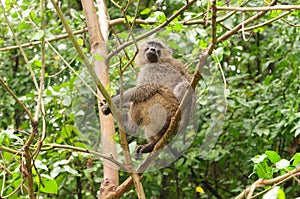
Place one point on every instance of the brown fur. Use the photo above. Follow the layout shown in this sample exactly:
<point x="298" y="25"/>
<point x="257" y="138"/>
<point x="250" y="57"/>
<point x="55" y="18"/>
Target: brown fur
<point x="160" y="86"/>
<point x="154" y="114"/>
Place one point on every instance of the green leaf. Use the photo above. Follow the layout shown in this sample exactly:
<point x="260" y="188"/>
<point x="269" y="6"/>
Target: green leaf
<point x="37" y="63"/>
<point x="261" y="168"/>
<point x="234" y="132"/>
<point x="281" y="194"/>
<point x="273" y="156"/>
<point x="80" y="41"/>
<point x="160" y="16"/>
<point x="296" y="159"/>
<point x="146" y="11"/>
<point x="50" y="185"/>
<point x="10" y="133"/>
<point x="66" y="131"/>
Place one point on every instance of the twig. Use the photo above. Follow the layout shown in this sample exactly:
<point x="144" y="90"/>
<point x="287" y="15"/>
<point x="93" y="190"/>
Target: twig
<point x="17" y="99"/>
<point x="289" y="23"/>
<point x="39" y="105"/>
<point x="214" y="24"/>
<point x="114" y="22"/>
<point x="124" y="51"/>
<point x="238" y="27"/>
<point x="6" y="170"/>
<point x="257" y="9"/>
<point x="232" y="13"/>
<point x="86" y="62"/>
<point x="20" y="47"/>
<point x="224" y="81"/>
<point x="262" y="183"/>
<point x="55" y="38"/>
<point x="169" y="20"/>
<point x="135" y="14"/>
<point x="265" y="23"/>
<point x="60" y="146"/>
<point x="14" y="191"/>
<point x="243" y="28"/>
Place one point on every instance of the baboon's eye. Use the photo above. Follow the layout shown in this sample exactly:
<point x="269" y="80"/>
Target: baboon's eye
<point x="158" y="52"/>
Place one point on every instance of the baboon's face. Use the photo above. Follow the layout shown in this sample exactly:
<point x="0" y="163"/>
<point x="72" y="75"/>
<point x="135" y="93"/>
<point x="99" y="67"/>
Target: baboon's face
<point x="153" y="51"/>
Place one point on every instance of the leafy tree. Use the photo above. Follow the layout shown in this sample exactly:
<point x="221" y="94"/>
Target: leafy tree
<point x="248" y="114"/>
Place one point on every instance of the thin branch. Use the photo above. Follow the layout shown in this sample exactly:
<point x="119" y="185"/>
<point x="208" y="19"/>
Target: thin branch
<point x="214" y="24"/>
<point x="169" y="20"/>
<point x="118" y="41"/>
<point x="6" y="170"/>
<point x="257" y="9"/>
<point x="14" y="191"/>
<point x="232" y="13"/>
<point x="238" y="27"/>
<point x="74" y="71"/>
<point x="20" y="47"/>
<point x="39" y="105"/>
<point x="224" y="81"/>
<point x="262" y="183"/>
<point x="293" y="176"/>
<point x="55" y="38"/>
<point x="63" y="69"/>
<point x="9" y="150"/>
<point x="289" y="23"/>
<point x="81" y="54"/>
<point x="267" y="22"/>
<point x="135" y="14"/>
<point x="117" y="21"/>
<point x="243" y="28"/>
<point x="60" y="146"/>
<point x="17" y="99"/>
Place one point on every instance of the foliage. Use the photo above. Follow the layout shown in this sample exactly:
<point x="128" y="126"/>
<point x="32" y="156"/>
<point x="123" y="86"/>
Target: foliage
<point x="259" y="131"/>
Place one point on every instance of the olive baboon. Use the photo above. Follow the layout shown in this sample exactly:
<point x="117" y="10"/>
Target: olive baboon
<point x="160" y="86"/>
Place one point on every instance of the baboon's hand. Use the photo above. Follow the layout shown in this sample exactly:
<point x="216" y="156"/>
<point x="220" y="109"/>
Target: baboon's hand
<point x="105" y="108"/>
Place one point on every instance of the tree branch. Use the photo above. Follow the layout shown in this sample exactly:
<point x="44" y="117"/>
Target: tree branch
<point x="238" y="27"/>
<point x="262" y="183"/>
<point x="60" y="146"/>
<point x="265" y="8"/>
<point x="169" y="20"/>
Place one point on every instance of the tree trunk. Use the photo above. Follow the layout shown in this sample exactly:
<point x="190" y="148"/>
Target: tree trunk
<point x="98" y="40"/>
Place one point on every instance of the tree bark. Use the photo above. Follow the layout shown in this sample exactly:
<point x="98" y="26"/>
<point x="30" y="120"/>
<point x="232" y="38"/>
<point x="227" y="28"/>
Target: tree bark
<point x="98" y="39"/>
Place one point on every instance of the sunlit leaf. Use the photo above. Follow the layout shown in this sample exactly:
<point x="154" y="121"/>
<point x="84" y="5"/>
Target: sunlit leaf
<point x="273" y="156"/>
<point x="50" y="185"/>
<point x="296" y="159"/>
<point x="200" y="190"/>
<point x="146" y="11"/>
